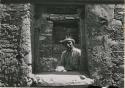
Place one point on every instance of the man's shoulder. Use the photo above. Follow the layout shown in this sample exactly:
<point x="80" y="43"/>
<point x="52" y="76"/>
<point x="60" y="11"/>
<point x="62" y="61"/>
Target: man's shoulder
<point x="77" y="50"/>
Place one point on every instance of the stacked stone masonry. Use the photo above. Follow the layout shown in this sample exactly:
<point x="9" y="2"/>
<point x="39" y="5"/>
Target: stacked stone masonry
<point x="104" y="29"/>
<point x="14" y="41"/>
<point x="105" y="43"/>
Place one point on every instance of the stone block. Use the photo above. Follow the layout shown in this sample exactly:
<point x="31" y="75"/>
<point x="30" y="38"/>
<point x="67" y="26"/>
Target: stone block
<point x="64" y="80"/>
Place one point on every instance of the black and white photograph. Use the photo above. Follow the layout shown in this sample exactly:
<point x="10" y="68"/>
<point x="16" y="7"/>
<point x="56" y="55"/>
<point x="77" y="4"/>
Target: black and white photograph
<point x="62" y="43"/>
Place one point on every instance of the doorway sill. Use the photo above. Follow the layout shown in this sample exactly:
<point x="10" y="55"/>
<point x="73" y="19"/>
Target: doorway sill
<point x="62" y="80"/>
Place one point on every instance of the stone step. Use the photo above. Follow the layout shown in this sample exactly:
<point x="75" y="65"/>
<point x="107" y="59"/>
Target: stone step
<point x="64" y="80"/>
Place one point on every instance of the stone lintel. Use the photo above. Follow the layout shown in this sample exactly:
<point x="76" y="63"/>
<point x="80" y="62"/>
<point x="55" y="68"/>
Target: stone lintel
<point x="64" y="2"/>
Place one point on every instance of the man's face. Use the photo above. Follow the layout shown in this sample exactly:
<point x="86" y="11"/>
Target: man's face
<point x="69" y="44"/>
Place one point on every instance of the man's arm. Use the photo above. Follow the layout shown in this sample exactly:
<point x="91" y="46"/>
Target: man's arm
<point x="62" y="61"/>
<point x="60" y="66"/>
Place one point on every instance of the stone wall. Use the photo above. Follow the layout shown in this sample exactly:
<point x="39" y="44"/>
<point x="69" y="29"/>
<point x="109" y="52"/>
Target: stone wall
<point x="104" y="28"/>
<point x="15" y="45"/>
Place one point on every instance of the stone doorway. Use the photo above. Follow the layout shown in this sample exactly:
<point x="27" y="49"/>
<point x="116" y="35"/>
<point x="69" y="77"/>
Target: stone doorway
<point x="52" y="24"/>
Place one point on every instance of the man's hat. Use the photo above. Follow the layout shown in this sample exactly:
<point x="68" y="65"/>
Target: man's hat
<point x="67" y="39"/>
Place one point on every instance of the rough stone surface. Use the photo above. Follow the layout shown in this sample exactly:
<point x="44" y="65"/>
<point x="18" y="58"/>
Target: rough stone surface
<point x="104" y="25"/>
<point x="105" y="51"/>
<point x="64" y="80"/>
<point x="26" y="35"/>
<point x="14" y="23"/>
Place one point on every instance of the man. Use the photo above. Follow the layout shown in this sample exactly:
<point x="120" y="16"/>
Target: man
<point x="70" y="58"/>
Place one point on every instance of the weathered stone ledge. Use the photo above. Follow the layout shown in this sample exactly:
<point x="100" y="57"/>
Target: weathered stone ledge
<point x="62" y="80"/>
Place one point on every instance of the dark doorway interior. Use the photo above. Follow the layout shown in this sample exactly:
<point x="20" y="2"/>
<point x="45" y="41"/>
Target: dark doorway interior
<point x="67" y="28"/>
<point x="55" y="25"/>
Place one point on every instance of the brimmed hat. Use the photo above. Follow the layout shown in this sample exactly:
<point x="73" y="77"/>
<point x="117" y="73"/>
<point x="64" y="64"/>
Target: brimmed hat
<point x="67" y="39"/>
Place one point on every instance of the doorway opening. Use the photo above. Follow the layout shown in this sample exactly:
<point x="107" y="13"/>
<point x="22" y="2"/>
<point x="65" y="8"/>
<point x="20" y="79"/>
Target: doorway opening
<point x="53" y="24"/>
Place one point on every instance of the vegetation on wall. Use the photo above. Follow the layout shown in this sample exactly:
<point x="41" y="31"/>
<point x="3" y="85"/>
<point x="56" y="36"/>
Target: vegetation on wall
<point x="105" y="46"/>
<point x="13" y="70"/>
<point x="105" y="49"/>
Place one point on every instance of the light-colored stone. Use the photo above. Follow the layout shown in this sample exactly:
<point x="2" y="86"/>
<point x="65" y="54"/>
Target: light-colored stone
<point x="103" y="11"/>
<point x="26" y="37"/>
<point x="64" y="80"/>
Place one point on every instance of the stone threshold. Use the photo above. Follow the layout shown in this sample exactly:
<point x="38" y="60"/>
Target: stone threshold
<point x="63" y="79"/>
